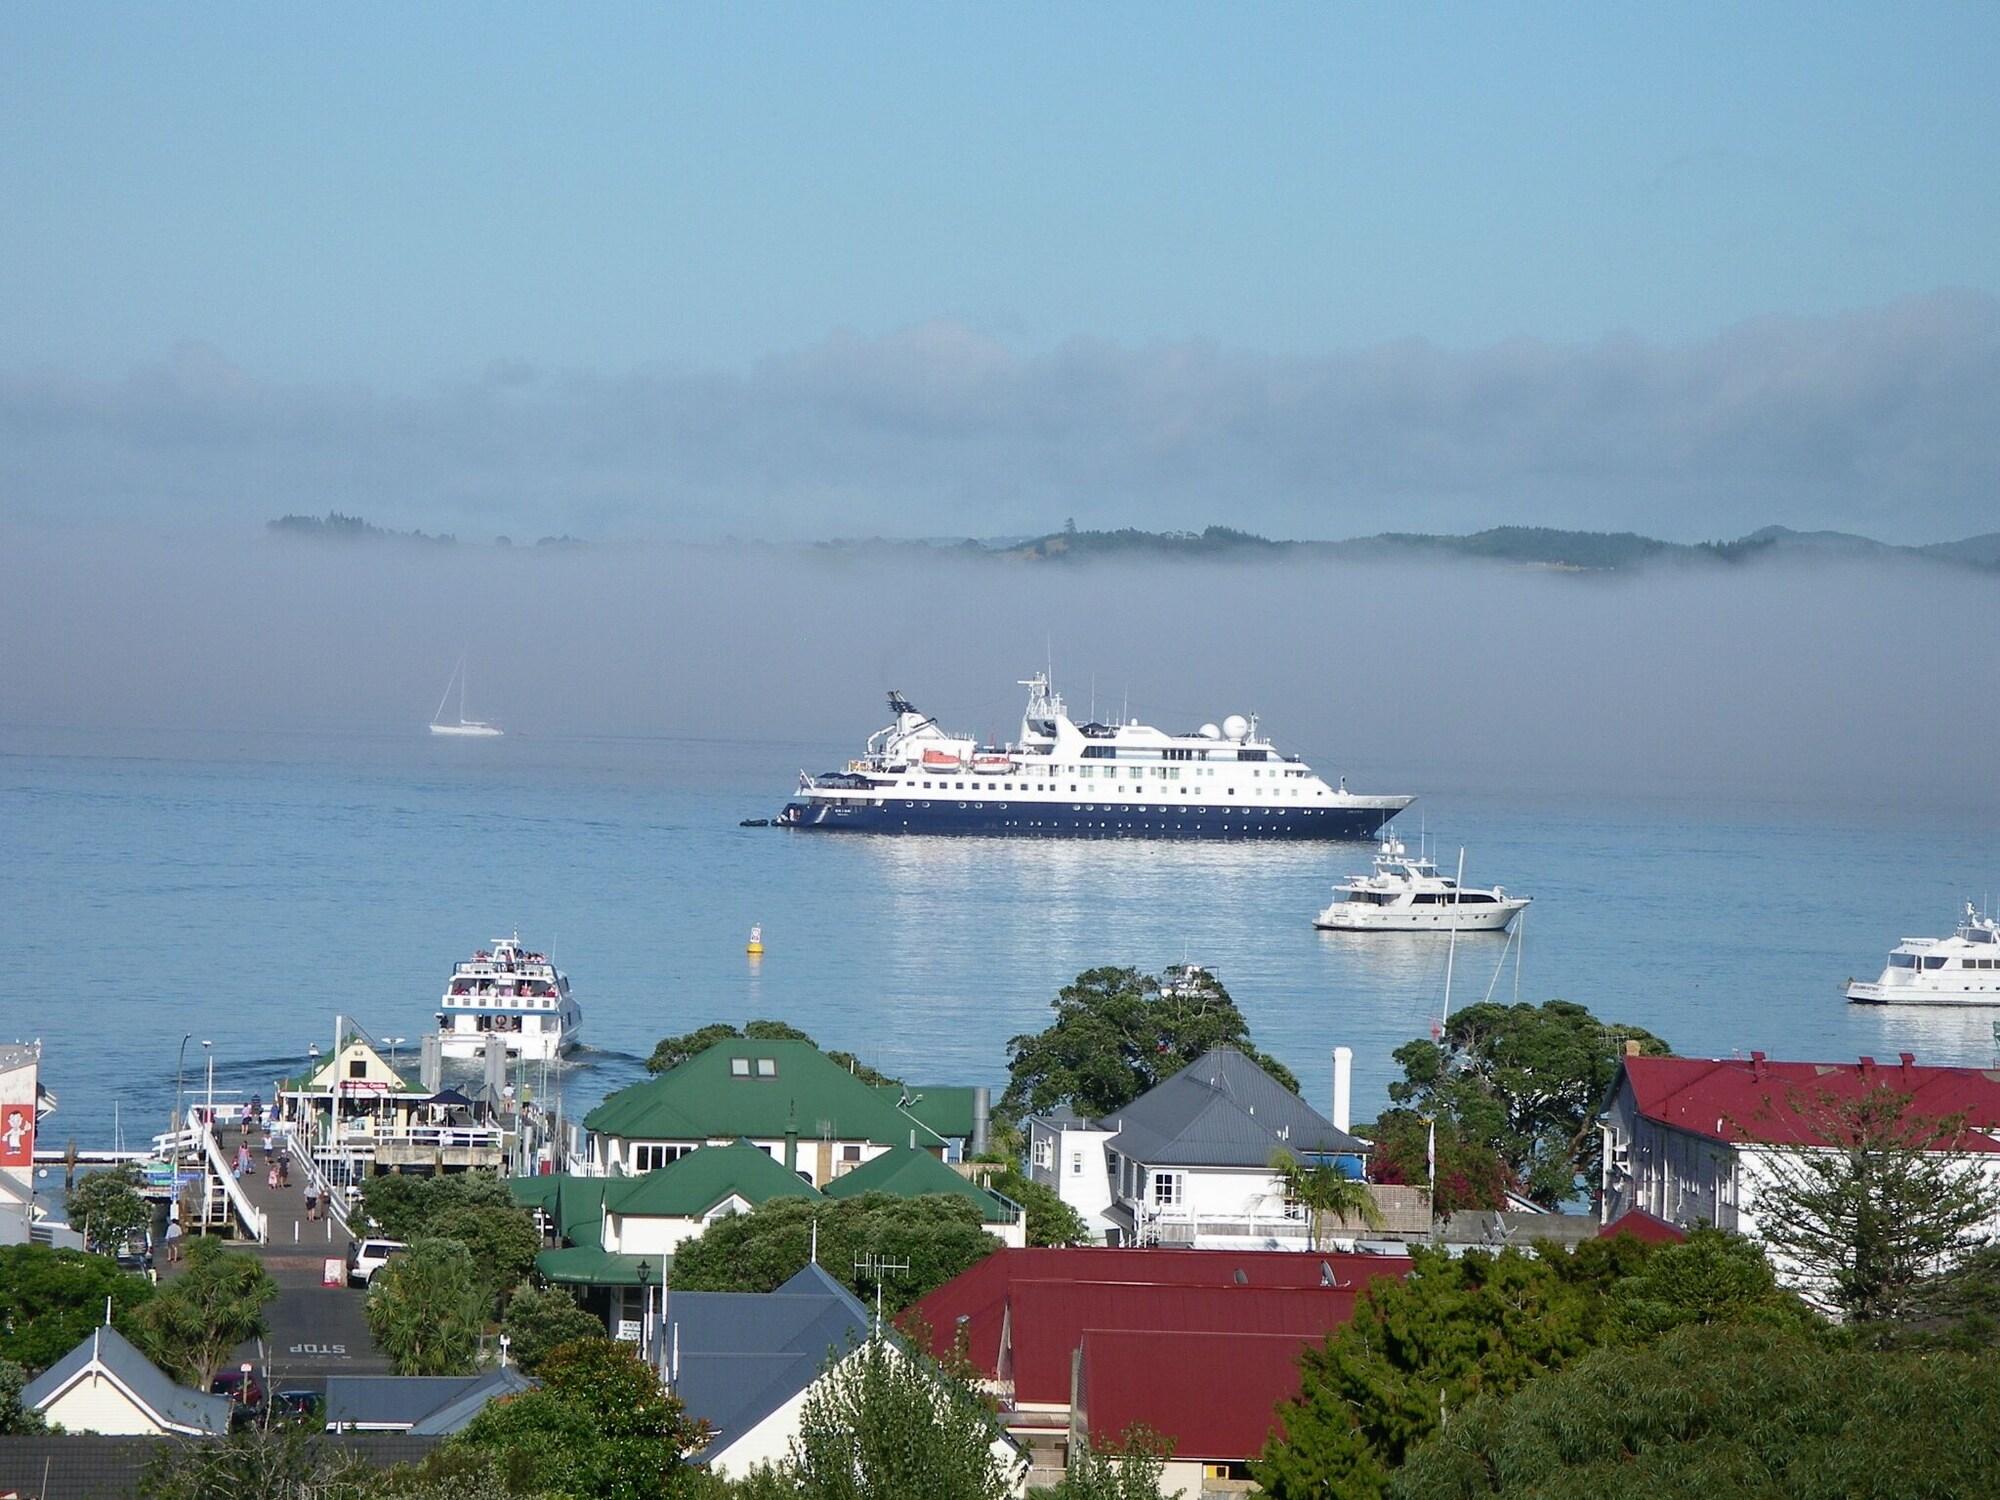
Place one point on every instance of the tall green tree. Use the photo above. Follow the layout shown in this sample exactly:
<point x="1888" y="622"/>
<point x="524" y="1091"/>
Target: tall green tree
<point x="469" y="1207"/>
<point x="1888" y="1199"/>
<point x="426" y="1308"/>
<point x="538" y="1322"/>
<point x="14" y="1417"/>
<point x="1117" y="1033"/>
<point x="1325" y="1193"/>
<point x="1713" y="1277"/>
<point x="107" y="1207"/>
<point x="197" y="1319"/>
<point x="51" y="1299"/>
<point x="601" y="1427"/>
<point x="886" y="1423"/>
<point x="1525" y="1081"/>
<point x="937" y="1236"/>
<point x="1726" y="1411"/>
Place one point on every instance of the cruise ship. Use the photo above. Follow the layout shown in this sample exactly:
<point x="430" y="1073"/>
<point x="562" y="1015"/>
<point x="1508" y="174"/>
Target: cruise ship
<point x="1065" y="779"/>
<point x="1963" y="969"/>
<point x="513" y="994"/>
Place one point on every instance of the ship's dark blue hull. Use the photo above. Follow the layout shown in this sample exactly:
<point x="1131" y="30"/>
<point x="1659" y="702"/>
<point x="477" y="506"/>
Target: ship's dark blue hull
<point x="1098" y="820"/>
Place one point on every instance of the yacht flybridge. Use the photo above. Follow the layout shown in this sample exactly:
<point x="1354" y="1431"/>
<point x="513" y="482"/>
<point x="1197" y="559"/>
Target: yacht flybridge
<point x="513" y="994"/>
<point x="1963" y="969"/>
<point x="1065" y="779"/>
<point x="1408" y="893"/>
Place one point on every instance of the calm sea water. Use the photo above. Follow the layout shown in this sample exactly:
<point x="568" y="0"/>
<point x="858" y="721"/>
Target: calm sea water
<point x="246" y="888"/>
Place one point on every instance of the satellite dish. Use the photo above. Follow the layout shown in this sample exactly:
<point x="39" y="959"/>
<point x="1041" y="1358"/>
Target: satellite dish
<point x="1211" y="732"/>
<point x="1236" y="727"/>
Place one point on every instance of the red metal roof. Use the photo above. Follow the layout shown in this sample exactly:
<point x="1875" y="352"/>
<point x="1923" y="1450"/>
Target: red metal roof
<point x="1772" y="1103"/>
<point x="1213" y="1395"/>
<point x="1046" y="1321"/>
<point x="980" y="1294"/>
<point x="1643" y="1226"/>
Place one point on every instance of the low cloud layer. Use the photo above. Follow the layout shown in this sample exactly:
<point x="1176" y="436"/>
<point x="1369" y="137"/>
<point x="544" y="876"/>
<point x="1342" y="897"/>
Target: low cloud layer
<point x="1878" y="421"/>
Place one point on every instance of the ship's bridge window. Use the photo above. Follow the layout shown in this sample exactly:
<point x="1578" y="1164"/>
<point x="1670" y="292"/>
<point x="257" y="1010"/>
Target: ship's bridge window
<point x="1933" y="963"/>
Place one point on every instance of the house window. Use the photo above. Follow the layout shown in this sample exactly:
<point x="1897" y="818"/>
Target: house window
<point x="850" y="1153"/>
<point x="650" y="1158"/>
<point x="1166" y="1189"/>
<point x="1076" y="1163"/>
<point x="1042" y="1151"/>
<point x="357" y="1068"/>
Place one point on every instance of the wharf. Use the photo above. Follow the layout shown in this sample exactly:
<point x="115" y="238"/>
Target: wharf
<point x="315" y="1330"/>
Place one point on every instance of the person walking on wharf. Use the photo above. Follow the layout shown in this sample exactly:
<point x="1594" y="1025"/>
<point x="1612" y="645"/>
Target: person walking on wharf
<point x="173" y="1238"/>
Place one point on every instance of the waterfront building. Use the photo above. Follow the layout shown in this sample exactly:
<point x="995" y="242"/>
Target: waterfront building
<point x="1189" y="1162"/>
<point x="782" y="1096"/>
<point x="105" y="1385"/>
<point x="1693" y="1140"/>
<point x="24" y="1104"/>
<point x="1021" y="1318"/>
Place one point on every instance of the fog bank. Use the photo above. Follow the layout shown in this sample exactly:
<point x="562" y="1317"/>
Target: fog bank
<point x="1873" y="683"/>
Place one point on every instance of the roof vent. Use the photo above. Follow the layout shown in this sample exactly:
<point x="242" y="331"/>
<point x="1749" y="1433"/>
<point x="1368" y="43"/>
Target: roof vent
<point x="1756" y="1065"/>
<point x="1909" y="1062"/>
<point x="1867" y="1067"/>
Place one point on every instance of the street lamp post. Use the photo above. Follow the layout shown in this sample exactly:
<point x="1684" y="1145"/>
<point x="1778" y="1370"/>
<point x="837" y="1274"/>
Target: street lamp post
<point x="180" y="1107"/>
<point x="646" y="1311"/>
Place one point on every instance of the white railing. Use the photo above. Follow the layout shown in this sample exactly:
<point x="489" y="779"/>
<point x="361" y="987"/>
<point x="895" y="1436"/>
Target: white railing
<point x="1193" y="1229"/>
<point x="251" y="1215"/>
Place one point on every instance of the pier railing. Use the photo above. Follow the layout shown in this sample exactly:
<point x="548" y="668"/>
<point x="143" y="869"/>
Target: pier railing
<point x="248" y="1213"/>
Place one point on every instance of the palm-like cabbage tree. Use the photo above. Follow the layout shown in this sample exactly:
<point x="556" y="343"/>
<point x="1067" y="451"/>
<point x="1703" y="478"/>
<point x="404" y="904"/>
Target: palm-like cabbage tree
<point x="1323" y="1191"/>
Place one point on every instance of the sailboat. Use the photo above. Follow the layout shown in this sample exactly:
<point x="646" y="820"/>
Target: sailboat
<point x="469" y="728"/>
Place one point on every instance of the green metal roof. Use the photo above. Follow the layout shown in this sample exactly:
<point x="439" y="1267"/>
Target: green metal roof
<point x="575" y="1203"/>
<point x="586" y="1265"/>
<point x="904" y="1173"/>
<point x="947" y="1109"/>
<point x="744" y="1087"/>
<point x="690" y="1187"/>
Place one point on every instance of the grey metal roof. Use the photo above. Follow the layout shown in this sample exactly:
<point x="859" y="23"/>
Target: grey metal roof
<point x="1222" y="1110"/>
<point x="175" y="1406"/>
<point x="422" y="1405"/>
<point x="735" y="1357"/>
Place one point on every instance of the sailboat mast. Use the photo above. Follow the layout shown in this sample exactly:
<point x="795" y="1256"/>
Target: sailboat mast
<point x="1451" y="953"/>
<point x="462" y="675"/>
<point x="445" y="696"/>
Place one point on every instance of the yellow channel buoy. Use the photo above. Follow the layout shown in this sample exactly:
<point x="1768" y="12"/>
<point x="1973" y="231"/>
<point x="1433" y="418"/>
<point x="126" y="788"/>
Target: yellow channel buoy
<point x="756" y="943"/>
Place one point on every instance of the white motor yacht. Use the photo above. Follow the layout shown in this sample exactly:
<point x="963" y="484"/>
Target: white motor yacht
<point x="1963" y="969"/>
<point x="518" y="996"/>
<point x="1408" y="893"/>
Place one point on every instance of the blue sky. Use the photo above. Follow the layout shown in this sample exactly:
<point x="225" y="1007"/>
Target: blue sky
<point x="404" y="206"/>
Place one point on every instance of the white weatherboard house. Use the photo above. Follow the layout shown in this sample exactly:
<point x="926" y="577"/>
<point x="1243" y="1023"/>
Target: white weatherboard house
<point x="105" y="1385"/>
<point x="1691" y="1140"/>
<point x="1189" y="1162"/>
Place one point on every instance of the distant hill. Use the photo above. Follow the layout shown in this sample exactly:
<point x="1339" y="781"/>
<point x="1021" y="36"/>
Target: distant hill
<point x="333" y="526"/>
<point x="1521" y="546"/>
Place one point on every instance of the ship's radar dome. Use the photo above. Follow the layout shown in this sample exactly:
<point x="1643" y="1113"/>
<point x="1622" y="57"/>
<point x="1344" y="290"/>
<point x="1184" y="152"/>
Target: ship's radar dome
<point x="1211" y="731"/>
<point x="1236" y="727"/>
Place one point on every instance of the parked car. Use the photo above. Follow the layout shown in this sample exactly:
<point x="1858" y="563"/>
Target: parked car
<point x="366" y="1257"/>
<point x="245" y="1392"/>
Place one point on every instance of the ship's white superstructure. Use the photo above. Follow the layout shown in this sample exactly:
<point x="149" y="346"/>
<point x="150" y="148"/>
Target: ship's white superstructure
<point x="1063" y="778"/>
<point x="509" y="992"/>
<point x="1408" y="893"/>
<point x="1963" y="969"/>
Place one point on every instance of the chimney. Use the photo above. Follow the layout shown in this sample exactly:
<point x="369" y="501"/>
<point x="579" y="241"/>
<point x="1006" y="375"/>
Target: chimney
<point x="1757" y="1065"/>
<point x="792" y="1139"/>
<point x="1343" y="1086"/>
<point x="982" y="1119"/>
<point x="1867" y="1067"/>
<point x="1909" y="1062"/>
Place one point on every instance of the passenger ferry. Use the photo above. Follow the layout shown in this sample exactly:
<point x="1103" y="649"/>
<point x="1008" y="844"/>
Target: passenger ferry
<point x="1963" y="969"/>
<point x="1065" y="779"/>
<point x="513" y="994"/>
<point x="1407" y="893"/>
